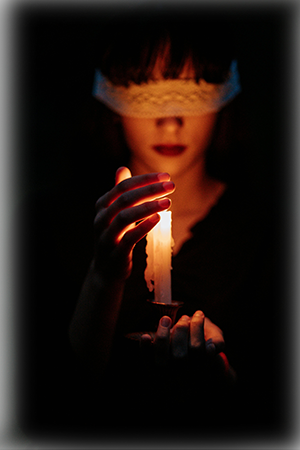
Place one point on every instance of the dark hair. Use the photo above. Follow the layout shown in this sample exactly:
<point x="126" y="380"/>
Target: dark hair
<point x="130" y="50"/>
<point x="127" y="52"/>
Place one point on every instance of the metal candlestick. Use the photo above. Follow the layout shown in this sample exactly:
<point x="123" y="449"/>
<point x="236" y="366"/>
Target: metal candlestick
<point x="162" y="309"/>
<point x="166" y="309"/>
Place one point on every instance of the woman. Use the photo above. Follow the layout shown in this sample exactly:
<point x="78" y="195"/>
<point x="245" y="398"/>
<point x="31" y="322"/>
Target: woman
<point x="84" y="284"/>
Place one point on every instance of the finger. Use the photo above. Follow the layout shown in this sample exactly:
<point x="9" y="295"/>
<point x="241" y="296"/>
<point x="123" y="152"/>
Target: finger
<point x="136" y="197"/>
<point x="122" y="174"/>
<point x="123" y="251"/>
<point x="140" y="195"/>
<point x="130" y="216"/>
<point x="107" y="243"/>
<point x="162" y="341"/>
<point x="214" y="339"/>
<point x="180" y="338"/>
<point x="134" y="235"/>
<point x="146" y="350"/>
<point x="105" y="216"/>
<point x="145" y="341"/>
<point x="197" y="332"/>
<point x="130" y="184"/>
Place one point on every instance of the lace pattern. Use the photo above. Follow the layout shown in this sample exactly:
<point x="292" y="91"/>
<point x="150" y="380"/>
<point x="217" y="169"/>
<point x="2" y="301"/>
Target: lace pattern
<point x="165" y="98"/>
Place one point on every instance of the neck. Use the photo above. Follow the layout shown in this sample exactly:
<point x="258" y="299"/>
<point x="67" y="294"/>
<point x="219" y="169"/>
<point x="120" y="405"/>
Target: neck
<point x="190" y="187"/>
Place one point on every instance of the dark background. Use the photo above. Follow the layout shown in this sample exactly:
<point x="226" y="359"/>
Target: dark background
<point x="46" y="75"/>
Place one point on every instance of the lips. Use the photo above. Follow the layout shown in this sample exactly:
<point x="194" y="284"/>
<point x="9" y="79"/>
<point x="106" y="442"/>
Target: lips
<point x="169" y="149"/>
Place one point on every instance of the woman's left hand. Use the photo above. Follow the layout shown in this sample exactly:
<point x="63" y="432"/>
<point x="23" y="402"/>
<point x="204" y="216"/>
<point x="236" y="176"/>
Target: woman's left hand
<point x="193" y="341"/>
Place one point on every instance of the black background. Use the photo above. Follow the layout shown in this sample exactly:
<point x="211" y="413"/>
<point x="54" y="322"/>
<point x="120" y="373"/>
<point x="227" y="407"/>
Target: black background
<point x="46" y="74"/>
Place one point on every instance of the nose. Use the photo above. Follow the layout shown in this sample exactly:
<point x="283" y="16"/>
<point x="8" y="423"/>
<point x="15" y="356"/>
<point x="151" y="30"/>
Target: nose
<point x="170" y="123"/>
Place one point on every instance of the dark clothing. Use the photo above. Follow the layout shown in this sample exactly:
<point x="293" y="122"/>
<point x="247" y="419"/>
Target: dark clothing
<point x="229" y="269"/>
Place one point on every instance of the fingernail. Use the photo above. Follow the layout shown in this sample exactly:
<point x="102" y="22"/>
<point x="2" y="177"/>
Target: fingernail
<point x="164" y="202"/>
<point x="155" y="218"/>
<point x="210" y="348"/>
<point x="164" y="176"/>
<point x="146" y="338"/>
<point x="168" y="186"/>
<point x="165" y="321"/>
<point x="185" y="318"/>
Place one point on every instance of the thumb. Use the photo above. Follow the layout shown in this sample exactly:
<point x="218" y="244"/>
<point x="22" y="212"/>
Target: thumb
<point x="122" y="174"/>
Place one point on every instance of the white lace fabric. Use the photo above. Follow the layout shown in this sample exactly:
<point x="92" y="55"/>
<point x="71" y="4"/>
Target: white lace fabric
<point x="167" y="98"/>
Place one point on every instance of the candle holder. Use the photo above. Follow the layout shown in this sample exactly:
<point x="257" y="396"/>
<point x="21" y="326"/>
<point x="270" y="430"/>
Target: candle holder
<point x="166" y="309"/>
<point x="162" y="309"/>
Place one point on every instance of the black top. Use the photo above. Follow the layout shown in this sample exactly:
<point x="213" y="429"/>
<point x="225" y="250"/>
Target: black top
<point x="229" y="269"/>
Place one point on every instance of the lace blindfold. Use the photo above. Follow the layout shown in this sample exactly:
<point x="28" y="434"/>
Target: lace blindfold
<point x="167" y="98"/>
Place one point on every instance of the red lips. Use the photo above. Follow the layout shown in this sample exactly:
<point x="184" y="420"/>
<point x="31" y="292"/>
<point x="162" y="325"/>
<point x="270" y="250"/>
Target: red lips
<point x="169" y="149"/>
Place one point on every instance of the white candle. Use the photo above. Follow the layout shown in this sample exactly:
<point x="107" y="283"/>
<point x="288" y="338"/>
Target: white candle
<point x="159" y="253"/>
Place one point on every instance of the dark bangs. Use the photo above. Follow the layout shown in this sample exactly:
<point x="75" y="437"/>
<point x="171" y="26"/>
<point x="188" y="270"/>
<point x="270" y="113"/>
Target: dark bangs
<point x="136" y="43"/>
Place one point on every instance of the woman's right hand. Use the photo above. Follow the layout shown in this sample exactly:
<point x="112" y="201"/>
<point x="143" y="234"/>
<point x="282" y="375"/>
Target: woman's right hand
<point x="133" y="199"/>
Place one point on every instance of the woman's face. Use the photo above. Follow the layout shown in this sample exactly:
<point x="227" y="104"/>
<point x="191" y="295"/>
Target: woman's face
<point x="171" y="144"/>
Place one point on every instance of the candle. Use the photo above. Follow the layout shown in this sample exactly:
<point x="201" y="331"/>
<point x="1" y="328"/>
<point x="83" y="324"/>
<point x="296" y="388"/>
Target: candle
<point x="159" y="252"/>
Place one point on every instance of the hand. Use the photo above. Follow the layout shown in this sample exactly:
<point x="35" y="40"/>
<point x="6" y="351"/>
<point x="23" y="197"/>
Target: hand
<point x="190" y="337"/>
<point x="124" y="215"/>
<point x="192" y="342"/>
<point x="132" y="200"/>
